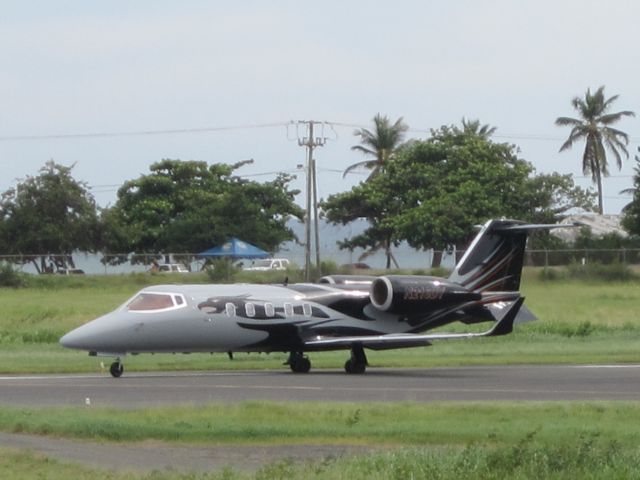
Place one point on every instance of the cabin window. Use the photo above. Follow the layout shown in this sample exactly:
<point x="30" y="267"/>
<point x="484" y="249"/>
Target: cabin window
<point x="288" y="310"/>
<point x="179" y="299"/>
<point x="269" y="310"/>
<point x="230" y="309"/>
<point x="251" y="310"/>
<point x="306" y="309"/>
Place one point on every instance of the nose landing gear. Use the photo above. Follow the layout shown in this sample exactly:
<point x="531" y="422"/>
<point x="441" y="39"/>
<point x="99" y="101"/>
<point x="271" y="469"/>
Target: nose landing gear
<point x="116" y="369"/>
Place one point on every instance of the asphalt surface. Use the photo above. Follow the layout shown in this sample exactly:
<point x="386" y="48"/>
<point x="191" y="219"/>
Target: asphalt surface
<point x="509" y="383"/>
<point x="158" y="456"/>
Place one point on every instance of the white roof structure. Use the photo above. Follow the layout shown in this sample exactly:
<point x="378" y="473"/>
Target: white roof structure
<point x="599" y="225"/>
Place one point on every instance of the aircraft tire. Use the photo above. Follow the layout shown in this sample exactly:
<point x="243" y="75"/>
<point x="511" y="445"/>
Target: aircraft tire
<point x="300" y="365"/>
<point x="351" y="366"/>
<point x="116" y="369"/>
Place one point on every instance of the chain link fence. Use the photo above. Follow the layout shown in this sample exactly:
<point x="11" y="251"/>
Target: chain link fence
<point x="110" y="264"/>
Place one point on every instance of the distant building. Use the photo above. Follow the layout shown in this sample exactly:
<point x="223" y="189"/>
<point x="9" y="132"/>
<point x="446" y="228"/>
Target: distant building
<point x="599" y="225"/>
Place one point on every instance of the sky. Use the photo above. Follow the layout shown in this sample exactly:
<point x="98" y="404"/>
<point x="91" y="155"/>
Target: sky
<point x="112" y="87"/>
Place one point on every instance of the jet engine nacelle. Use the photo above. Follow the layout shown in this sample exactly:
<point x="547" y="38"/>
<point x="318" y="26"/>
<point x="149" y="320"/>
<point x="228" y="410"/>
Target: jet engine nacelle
<point x="413" y="293"/>
<point x="348" y="279"/>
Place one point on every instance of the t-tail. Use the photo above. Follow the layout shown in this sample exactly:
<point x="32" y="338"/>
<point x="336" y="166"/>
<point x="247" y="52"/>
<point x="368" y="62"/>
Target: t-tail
<point x="493" y="262"/>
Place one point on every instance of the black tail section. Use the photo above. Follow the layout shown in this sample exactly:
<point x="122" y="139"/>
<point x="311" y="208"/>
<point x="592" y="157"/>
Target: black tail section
<point x="494" y="260"/>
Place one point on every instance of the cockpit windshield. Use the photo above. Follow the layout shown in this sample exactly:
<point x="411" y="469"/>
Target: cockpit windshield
<point x="153" y="302"/>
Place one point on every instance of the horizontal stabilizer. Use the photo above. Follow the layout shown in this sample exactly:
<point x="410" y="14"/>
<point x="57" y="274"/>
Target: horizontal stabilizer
<point x="536" y="226"/>
<point x="505" y="324"/>
<point x="402" y="340"/>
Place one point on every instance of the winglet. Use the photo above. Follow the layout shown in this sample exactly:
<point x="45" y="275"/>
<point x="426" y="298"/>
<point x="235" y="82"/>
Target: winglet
<point x="504" y="326"/>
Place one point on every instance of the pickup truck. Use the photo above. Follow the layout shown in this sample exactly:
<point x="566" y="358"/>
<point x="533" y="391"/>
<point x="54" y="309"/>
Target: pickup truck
<point x="268" y="264"/>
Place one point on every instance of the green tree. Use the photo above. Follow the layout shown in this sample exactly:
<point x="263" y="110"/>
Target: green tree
<point x="546" y="198"/>
<point x="380" y="144"/>
<point x="434" y="192"/>
<point x="373" y="200"/>
<point x="47" y="215"/>
<point x="594" y="127"/>
<point x="188" y="206"/>
<point x="631" y="211"/>
<point x="451" y="183"/>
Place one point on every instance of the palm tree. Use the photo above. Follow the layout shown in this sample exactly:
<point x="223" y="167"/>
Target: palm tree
<point x="631" y="211"/>
<point x="473" y="127"/>
<point x="594" y="127"/>
<point x="380" y="144"/>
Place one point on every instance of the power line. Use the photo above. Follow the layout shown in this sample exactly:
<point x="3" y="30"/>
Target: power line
<point x="138" y="133"/>
<point x="608" y="176"/>
<point x="181" y="131"/>
<point x="505" y="136"/>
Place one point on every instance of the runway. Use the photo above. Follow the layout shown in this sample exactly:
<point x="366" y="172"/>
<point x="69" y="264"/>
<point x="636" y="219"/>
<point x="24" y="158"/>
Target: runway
<point x="508" y="383"/>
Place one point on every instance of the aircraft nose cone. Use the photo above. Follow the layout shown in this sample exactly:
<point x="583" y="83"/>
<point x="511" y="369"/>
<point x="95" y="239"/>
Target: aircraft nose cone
<point x="73" y="339"/>
<point x="104" y="334"/>
<point x="85" y="337"/>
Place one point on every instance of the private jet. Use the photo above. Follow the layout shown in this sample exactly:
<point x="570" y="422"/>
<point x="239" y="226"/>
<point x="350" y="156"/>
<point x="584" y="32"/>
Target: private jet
<point x="340" y="312"/>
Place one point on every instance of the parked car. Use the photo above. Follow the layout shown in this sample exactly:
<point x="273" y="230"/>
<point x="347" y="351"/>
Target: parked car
<point x="268" y="264"/>
<point x="356" y="266"/>
<point x="172" y="268"/>
<point x="70" y="271"/>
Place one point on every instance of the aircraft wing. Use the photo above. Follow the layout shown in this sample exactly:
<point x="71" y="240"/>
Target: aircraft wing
<point x="400" y="340"/>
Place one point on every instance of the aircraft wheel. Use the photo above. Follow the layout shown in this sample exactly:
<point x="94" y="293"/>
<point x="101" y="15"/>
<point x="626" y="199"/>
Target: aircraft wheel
<point x="351" y="366"/>
<point x="300" y="365"/>
<point x="116" y="369"/>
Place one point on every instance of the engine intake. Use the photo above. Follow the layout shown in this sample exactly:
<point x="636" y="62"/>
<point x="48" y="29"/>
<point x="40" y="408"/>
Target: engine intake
<point x="414" y="293"/>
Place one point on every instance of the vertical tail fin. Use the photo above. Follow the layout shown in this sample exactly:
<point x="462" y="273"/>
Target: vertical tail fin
<point x="494" y="260"/>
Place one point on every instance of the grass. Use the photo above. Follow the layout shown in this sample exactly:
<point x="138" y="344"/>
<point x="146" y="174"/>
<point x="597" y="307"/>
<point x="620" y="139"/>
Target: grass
<point x="392" y="424"/>
<point x="579" y="322"/>
<point x="525" y="460"/>
<point x="465" y="440"/>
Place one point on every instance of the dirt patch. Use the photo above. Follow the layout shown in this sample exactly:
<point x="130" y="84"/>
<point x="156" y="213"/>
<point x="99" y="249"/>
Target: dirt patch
<point x="153" y="455"/>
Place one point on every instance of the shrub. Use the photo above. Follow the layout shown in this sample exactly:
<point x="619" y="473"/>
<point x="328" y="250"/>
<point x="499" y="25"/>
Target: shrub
<point x="548" y="274"/>
<point x="440" y="272"/>
<point x="328" y="267"/>
<point x="10" y="278"/>
<point x="597" y="271"/>
<point x="222" y="269"/>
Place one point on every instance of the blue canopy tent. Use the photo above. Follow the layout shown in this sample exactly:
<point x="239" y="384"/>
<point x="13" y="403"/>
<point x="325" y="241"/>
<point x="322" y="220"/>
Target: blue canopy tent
<point x="234" y="249"/>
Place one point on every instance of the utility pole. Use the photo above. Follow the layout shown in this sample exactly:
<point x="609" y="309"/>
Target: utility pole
<point x="310" y="142"/>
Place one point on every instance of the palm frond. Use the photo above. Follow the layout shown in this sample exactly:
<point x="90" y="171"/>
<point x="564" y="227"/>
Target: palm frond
<point x="363" y="164"/>
<point x="614" y="132"/>
<point x="607" y="103"/>
<point x="365" y="150"/>
<point x="577" y="133"/>
<point x="564" y="121"/>
<point x="614" y="117"/>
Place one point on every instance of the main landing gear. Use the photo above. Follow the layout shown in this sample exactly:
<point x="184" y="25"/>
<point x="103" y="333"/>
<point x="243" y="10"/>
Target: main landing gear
<point x="357" y="364"/>
<point x="116" y="368"/>
<point x="358" y="361"/>
<point x="298" y="362"/>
